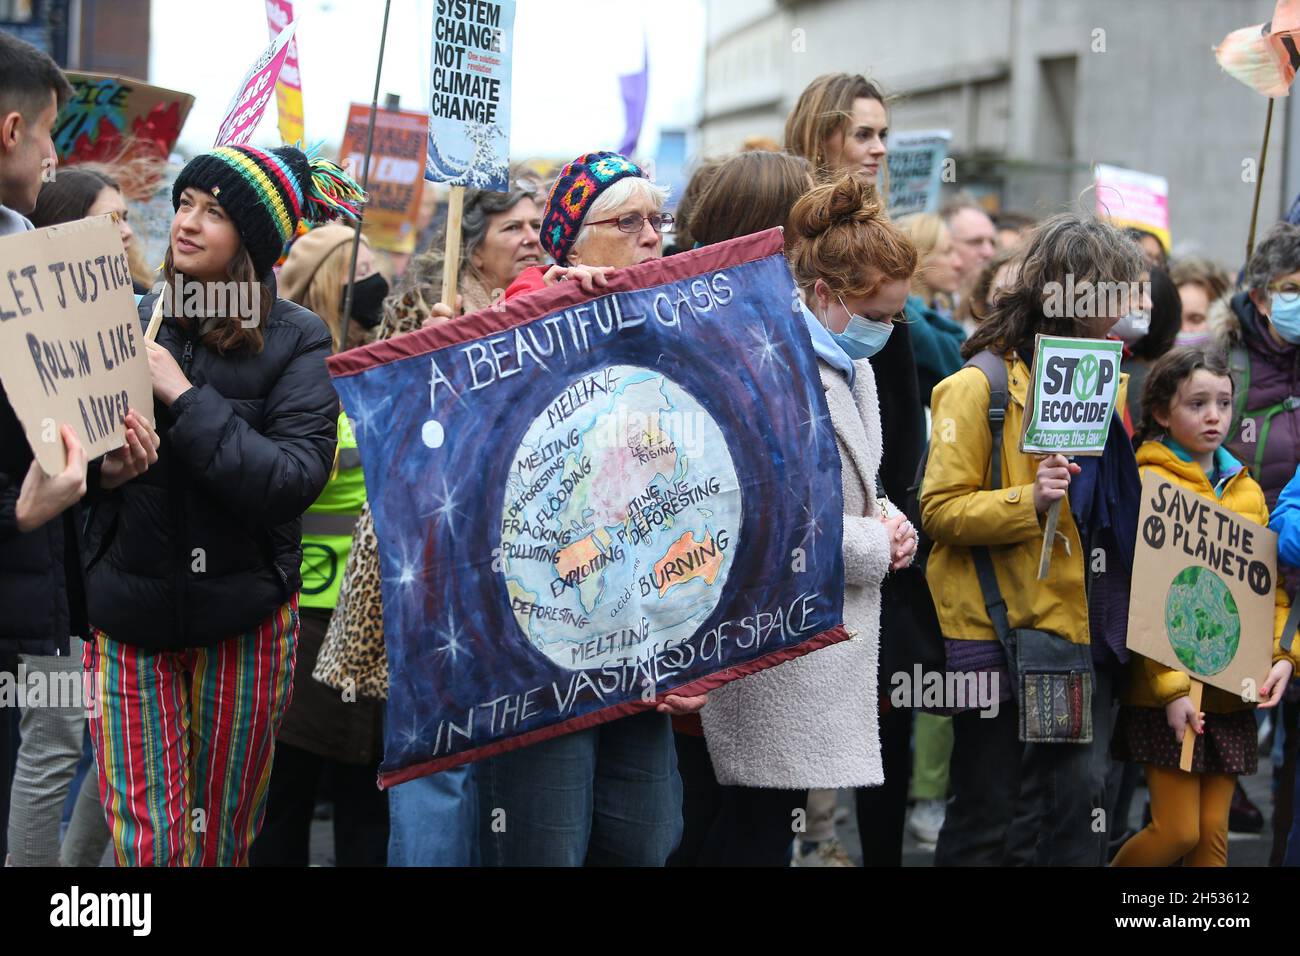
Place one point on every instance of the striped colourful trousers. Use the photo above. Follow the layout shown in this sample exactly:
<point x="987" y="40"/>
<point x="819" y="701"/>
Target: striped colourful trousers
<point x="183" y="742"/>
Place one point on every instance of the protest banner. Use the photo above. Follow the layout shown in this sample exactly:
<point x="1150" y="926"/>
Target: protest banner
<point x="1068" y="408"/>
<point x="71" y="352"/>
<point x="254" y="92"/>
<point x="1129" y="198"/>
<point x="469" y="109"/>
<point x="396" y="182"/>
<point x="469" y="100"/>
<point x="915" y="163"/>
<point x="1203" y="591"/>
<point x="288" y="88"/>
<point x="116" y="119"/>
<point x="604" y="500"/>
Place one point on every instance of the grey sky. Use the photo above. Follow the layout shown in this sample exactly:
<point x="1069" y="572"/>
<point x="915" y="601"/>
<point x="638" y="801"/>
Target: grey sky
<point x="565" y="83"/>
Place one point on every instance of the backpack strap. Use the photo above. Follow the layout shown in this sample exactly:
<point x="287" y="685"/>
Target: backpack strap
<point x="994" y="368"/>
<point x="1239" y="367"/>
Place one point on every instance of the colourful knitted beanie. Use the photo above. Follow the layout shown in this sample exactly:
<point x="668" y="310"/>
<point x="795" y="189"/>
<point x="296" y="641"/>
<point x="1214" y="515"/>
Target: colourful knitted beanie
<point x="266" y="193"/>
<point x="577" y="187"/>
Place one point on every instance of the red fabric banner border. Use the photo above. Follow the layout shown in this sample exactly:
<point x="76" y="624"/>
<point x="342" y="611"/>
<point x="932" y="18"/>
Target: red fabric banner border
<point x="564" y="295"/>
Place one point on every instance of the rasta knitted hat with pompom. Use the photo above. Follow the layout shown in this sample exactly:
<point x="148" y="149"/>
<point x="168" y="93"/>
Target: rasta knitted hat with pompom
<point x="266" y="192"/>
<point x="577" y="187"/>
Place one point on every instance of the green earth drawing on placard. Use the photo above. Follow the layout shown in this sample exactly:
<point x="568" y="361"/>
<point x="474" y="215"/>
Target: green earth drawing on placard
<point x="1201" y="620"/>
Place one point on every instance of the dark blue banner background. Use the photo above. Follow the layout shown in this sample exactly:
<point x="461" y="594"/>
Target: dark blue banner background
<point x="463" y="676"/>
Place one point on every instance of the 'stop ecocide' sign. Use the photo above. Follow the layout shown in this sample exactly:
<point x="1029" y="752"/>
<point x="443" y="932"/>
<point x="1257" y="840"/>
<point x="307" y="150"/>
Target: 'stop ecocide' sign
<point x="1072" y="396"/>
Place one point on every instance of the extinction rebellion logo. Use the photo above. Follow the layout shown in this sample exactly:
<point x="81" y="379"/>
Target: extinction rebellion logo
<point x="1078" y="385"/>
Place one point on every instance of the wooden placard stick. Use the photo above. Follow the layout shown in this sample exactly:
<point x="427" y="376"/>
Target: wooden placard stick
<point x="1259" y="180"/>
<point x="451" y="261"/>
<point x="1049" y="538"/>
<point x="155" y="320"/>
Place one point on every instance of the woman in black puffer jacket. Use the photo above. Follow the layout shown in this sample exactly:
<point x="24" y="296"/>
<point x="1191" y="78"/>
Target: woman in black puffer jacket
<point x="193" y="569"/>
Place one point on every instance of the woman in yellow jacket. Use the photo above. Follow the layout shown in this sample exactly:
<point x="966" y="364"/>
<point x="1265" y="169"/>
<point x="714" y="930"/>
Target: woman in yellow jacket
<point x="1036" y="802"/>
<point x="1188" y="407"/>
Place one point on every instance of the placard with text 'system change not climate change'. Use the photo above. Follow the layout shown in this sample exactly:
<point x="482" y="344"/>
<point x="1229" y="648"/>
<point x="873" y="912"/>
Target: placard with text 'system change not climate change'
<point x="1071" y="396"/>
<point x="469" y="93"/>
<point x="1203" y="597"/>
<point x="601" y="501"/>
<point x="71" y="348"/>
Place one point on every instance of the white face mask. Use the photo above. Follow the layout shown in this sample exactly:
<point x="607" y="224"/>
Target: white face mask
<point x="1132" y="328"/>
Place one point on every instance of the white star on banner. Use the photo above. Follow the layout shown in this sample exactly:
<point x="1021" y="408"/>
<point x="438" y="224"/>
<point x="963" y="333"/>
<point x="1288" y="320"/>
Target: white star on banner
<point x="766" y="350"/>
<point x="446" y="509"/>
<point x="451" y="639"/>
<point x="810" y="528"/>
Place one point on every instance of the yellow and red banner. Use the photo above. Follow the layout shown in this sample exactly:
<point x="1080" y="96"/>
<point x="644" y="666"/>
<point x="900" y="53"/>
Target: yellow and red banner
<point x="288" y="89"/>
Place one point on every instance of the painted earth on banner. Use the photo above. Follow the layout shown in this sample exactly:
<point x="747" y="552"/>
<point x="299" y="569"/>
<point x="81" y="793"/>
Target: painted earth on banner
<point x="600" y="501"/>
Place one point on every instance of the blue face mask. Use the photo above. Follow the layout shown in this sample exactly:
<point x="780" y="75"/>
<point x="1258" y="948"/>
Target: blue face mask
<point x="1285" y="317"/>
<point x="862" y="338"/>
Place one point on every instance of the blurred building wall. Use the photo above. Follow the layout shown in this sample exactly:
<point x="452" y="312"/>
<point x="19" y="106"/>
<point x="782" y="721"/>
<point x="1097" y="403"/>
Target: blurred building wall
<point x="99" y="36"/>
<point x="1034" y="91"/>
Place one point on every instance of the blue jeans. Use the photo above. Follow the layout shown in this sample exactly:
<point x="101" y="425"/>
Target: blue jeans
<point x="433" y="820"/>
<point x="606" y="796"/>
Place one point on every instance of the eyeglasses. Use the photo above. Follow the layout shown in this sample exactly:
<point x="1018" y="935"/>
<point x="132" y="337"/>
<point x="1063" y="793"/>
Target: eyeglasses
<point x="631" y="223"/>
<point x="1287" y="293"/>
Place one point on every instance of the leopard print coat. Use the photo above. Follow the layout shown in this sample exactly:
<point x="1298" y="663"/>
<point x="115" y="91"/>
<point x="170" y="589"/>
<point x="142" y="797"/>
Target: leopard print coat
<point x="353" y="655"/>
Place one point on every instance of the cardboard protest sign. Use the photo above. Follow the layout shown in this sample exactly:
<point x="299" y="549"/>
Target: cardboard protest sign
<point x="116" y="119"/>
<point x="915" y="164"/>
<point x="1129" y="198"/>
<point x="71" y="348"/>
<point x="288" y="88"/>
<point x="604" y="500"/>
<point x="469" y="104"/>
<point x="1203" y="580"/>
<point x="396" y="184"/>
<point x="249" y="103"/>
<point x="1072" y="396"/>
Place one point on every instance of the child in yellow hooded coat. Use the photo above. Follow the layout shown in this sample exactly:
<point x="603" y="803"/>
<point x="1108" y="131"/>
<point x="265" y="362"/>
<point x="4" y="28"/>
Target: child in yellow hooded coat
<point x="1187" y="402"/>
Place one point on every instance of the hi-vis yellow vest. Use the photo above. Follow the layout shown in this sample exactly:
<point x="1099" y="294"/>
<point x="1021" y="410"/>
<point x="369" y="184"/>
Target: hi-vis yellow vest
<point x="328" y="525"/>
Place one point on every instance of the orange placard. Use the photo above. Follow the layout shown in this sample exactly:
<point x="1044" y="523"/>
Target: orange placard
<point x="396" y="173"/>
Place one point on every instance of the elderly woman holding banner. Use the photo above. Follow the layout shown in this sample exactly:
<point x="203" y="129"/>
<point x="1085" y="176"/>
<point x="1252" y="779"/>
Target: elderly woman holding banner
<point x="432" y="819"/>
<point x="608" y="795"/>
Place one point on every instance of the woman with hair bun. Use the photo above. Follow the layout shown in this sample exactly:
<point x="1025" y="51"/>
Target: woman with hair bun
<point x="812" y="723"/>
